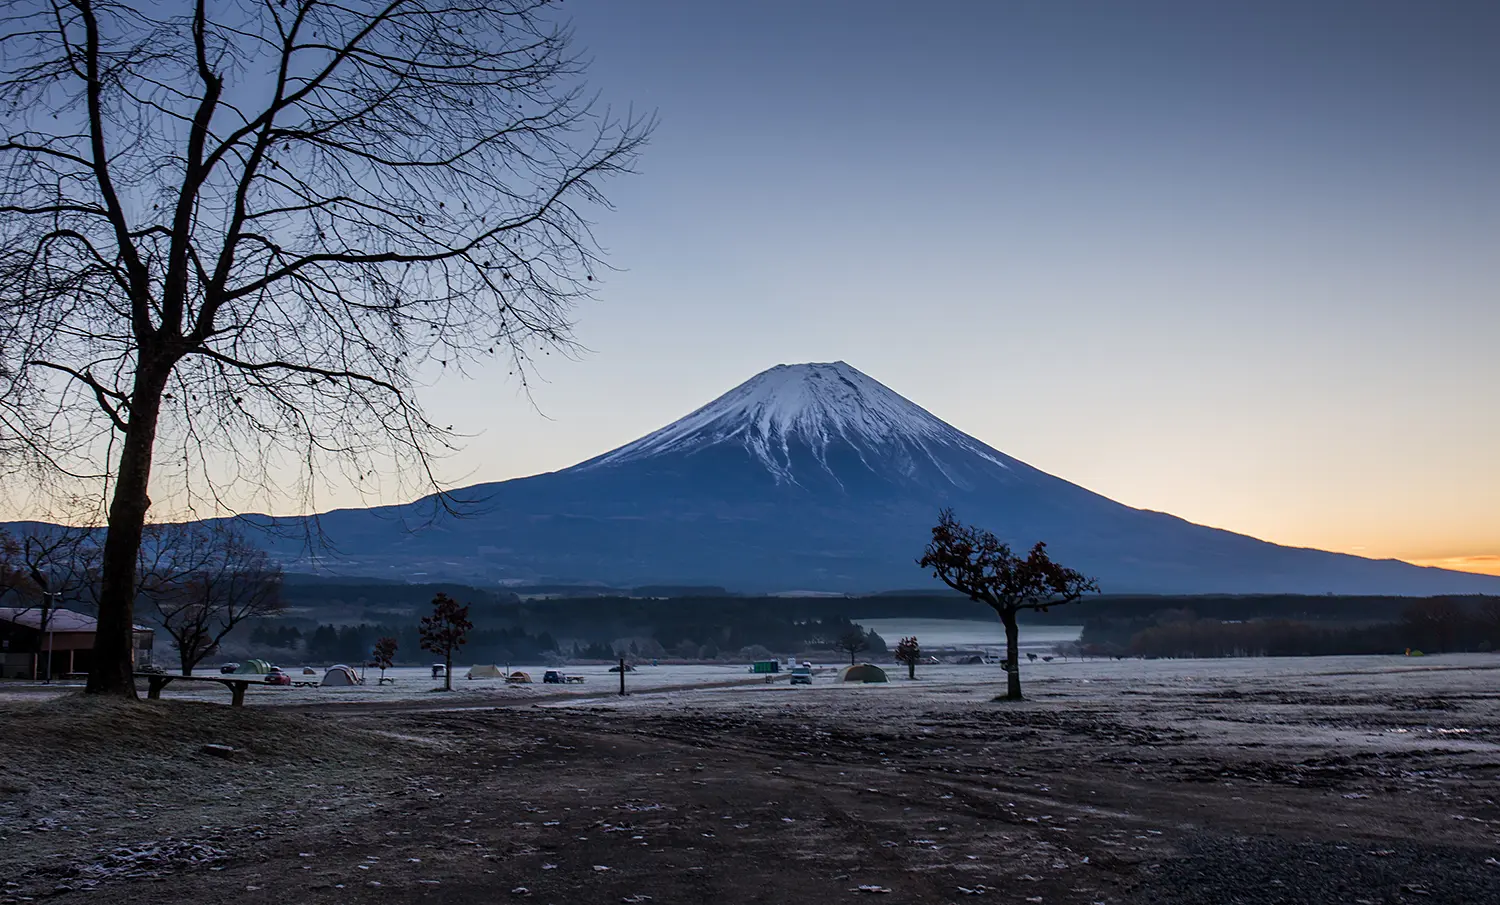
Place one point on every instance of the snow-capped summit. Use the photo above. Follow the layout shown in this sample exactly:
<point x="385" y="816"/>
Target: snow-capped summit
<point x="820" y="409"/>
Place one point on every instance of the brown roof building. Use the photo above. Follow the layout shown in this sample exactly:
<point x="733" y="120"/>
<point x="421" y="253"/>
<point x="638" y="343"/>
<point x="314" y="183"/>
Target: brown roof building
<point x="65" y="647"/>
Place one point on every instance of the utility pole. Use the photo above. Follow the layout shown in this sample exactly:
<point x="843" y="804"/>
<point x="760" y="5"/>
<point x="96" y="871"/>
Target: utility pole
<point x="48" y="612"/>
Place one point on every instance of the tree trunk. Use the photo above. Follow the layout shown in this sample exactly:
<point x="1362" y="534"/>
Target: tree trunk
<point x="911" y="669"/>
<point x="1013" y="655"/>
<point x="187" y="664"/>
<point x="114" y="638"/>
<point x="448" y="671"/>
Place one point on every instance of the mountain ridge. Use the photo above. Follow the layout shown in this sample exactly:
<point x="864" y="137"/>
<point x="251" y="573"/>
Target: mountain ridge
<point x="818" y="476"/>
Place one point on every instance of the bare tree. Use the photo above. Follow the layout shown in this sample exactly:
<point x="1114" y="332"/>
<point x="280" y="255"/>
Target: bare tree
<point x="238" y="238"/>
<point x="203" y="580"/>
<point x="45" y="567"/>
<point x="852" y="642"/>
<point x="445" y="631"/>
<point x="976" y="563"/>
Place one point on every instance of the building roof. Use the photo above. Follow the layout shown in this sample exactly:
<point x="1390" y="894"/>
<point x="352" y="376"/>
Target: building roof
<point x="60" y="620"/>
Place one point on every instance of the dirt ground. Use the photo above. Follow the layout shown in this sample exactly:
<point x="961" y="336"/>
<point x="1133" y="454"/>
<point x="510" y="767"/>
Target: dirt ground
<point x="1320" y="780"/>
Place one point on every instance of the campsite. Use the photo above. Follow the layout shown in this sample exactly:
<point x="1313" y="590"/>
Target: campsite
<point x="1264" y="780"/>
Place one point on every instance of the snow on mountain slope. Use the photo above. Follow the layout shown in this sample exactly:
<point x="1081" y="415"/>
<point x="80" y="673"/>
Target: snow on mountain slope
<point x="813" y="406"/>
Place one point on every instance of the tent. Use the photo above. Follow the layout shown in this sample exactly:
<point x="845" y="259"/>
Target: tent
<point x="485" y="672"/>
<point x="340" y="675"/>
<point x="519" y="678"/>
<point x="864" y="672"/>
<point x="253" y="668"/>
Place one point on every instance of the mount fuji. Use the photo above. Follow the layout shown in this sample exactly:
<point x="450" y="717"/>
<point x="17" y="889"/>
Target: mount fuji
<point x="817" y="477"/>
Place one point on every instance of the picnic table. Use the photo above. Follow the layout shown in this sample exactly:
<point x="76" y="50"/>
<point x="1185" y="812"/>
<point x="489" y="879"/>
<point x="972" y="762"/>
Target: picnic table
<point x="155" y="682"/>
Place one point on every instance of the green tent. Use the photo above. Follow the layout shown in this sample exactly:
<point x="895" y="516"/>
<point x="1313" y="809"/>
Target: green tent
<point x="253" y="668"/>
<point x="864" y="672"/>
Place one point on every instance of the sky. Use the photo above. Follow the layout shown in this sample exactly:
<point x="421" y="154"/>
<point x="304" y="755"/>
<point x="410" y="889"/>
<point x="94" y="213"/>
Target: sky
<point x="1239" y="262"/>
<point x="1236" y="261"/>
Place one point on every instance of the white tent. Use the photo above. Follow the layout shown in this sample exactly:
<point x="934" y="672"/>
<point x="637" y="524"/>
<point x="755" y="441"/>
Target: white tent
<point x="340" y="675"/>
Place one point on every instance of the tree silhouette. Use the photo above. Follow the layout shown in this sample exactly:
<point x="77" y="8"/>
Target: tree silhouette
<point x="908" y="651"/>
<point x="852" y="642"/>
<point x="383" y="655"/>
<point x="203" y="580"/>
<point x="235" y="236"/>
<point x="44" y="568"/>
<point x="976" y="563"/>
<point x="445" y="631"/>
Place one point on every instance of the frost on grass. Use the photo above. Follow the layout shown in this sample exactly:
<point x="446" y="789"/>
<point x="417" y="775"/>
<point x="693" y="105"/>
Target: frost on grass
<point x="143" y="860"/>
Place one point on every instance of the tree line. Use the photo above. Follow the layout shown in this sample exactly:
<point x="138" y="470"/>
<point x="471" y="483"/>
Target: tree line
<point x="352" y="643"/>
<point x="1429" y="625"/>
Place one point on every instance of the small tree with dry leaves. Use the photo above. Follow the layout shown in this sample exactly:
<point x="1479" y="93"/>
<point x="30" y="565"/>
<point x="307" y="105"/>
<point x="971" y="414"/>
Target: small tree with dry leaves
<point x="445" y="631"/>
<point x="976" y="563"/>
<point x="910" y="653"/>
<point x="383" y="656"/>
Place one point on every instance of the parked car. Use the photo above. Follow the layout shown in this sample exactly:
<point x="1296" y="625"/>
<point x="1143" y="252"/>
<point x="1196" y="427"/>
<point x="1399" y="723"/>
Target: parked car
<point x="277" y="677"/>
<point x="229" y="668"/>
<point x="801" y="675"/>
<point x="628" y="668"/>
<point x="553" y="677"/>
<point x="151" y="669"/>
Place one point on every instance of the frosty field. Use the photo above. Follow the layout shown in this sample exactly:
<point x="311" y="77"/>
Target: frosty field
<point x="1349" y="779"/>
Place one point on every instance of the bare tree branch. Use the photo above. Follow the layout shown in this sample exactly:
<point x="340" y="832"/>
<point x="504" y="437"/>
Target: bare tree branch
<point x="201" y="581"/>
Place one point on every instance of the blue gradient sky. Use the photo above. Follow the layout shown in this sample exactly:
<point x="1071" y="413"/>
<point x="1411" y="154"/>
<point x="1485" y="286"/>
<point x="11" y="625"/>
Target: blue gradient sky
<point x="1235" y="261"/>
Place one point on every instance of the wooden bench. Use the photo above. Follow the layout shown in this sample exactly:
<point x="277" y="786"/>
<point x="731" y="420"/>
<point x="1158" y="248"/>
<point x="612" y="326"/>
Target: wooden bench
<point x="155" y="682"/>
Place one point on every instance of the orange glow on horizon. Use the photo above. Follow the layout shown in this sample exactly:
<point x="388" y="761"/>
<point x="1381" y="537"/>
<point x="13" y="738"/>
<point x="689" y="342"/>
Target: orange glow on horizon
<point x="1488" y="564"/>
